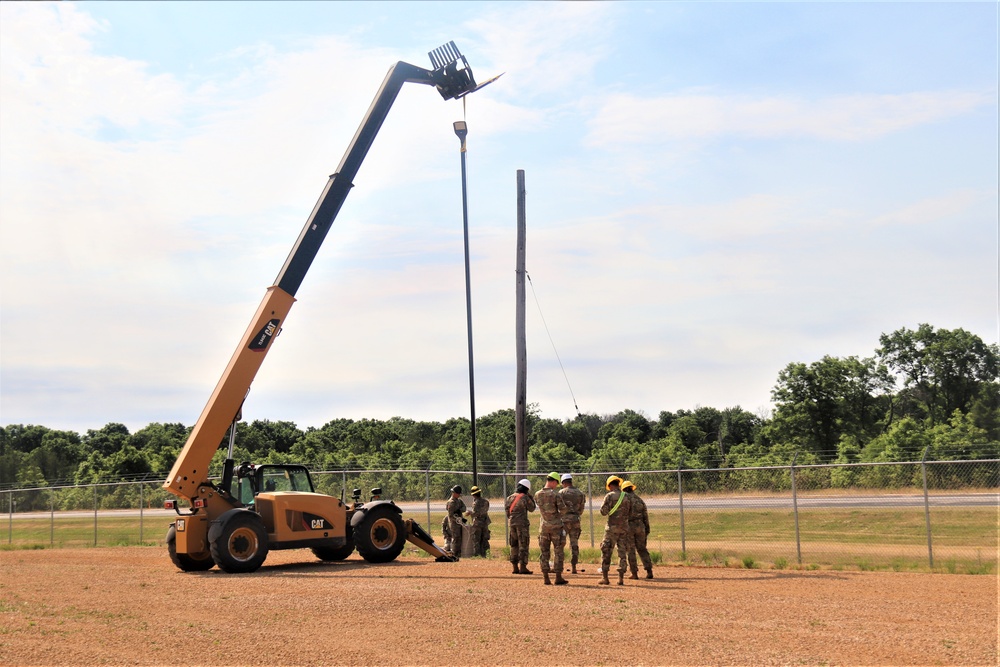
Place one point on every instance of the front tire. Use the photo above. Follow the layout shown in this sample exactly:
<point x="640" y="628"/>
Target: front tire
<point x="334" y="553"/>
<point x="242" y="544"/>
<point x="187" y="562"/>
<point x="380" y="535"/>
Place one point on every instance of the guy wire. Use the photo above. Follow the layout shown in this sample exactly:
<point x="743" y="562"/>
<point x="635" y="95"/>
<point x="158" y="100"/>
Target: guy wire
<point x="553" y="343"/>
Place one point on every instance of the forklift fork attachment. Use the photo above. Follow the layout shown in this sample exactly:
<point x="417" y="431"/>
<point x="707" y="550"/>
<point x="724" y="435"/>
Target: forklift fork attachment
<point x="419" y="537"/>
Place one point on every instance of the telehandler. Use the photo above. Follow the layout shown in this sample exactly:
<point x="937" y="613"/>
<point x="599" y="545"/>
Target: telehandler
<point x="276" y="506"/>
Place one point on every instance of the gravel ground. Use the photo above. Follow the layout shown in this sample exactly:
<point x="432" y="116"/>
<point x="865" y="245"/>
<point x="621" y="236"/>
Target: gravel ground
<point x="130" y="606"/>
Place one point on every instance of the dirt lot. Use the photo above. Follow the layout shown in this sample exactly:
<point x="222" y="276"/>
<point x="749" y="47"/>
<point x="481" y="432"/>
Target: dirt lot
<point x="130" y="606"/>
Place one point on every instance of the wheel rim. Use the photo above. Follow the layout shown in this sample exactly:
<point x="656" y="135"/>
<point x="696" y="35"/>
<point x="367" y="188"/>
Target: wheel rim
<point x="383" y="534"/>
<point x="243" y="544"/>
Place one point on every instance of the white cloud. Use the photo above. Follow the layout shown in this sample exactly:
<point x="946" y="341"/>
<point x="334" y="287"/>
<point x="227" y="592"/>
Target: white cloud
<point x="144" y="214"/>
<point x="936" y="209"/>
<point x="544" y="47"/>
<point x="625" y="119"/>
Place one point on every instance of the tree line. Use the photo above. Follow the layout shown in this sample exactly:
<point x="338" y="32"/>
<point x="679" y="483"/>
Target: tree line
<point x="927" y="390"/>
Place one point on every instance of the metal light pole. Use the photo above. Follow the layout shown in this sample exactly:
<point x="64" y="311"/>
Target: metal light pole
<point x="461" y="131"/>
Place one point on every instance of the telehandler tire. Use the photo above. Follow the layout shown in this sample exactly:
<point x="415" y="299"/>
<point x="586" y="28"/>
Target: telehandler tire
<point x="241" y="546"/>
<point x="334" y="553"/>
<point x="187" y="562"/>
<point x="380" y="535"/>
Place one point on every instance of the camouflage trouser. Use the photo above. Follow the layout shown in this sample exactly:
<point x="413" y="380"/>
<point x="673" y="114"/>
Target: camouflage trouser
<point x="446" y="533"/>
<point x="615" y="537"/>
<point x="480" y="538"/>
<point x="550" y="537"/>
<point x="572" y="526"/>
<point x="520" y="538"/>
<point x="452" y="536"/>
<point x="638" y="534"/>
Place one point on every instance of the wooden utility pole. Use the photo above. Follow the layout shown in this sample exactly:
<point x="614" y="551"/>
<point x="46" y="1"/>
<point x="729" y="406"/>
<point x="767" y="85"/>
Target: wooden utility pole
<point x="520" y="432"/>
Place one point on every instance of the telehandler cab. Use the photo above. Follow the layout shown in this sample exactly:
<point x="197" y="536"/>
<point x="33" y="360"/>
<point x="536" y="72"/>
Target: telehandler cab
<point x="276" y="506"/>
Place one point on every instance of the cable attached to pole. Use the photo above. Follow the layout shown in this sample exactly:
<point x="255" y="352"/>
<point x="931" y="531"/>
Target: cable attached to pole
<point x="552" y="342"/>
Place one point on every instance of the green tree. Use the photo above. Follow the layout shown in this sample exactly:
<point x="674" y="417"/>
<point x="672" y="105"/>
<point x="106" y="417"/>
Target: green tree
<point x="816" y="404"/>
<point x="626" y="426"/>
<point x="107" y="439"/>
<point x="943" y="369"/>
<point x="581" y="432"/>
<point x="126" y="463"/>
<point x="559" y="456"/>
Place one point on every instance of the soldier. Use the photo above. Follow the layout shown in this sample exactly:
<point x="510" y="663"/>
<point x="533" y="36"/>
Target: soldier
<point x="617" y="508"/>
<point x="455" y="522"/>
<point x="480" y="514"/>
<point x="516" y="506"/>
<point x="551" y="533"/>
<point x="575" y="501"/>
<point x="638" y="526"/>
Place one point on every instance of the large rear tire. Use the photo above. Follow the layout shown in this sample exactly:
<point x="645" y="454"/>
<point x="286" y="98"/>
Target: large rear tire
<point x="380" y="535"/>
<point x="334" y="553"/>
<point x="187" y="562"/>
<point x="242" y="544"/>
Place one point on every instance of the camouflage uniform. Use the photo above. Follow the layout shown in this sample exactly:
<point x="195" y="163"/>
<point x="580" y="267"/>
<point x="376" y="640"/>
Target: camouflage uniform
<point x="617" y="508"/>
<point x="638" y="526"/>
<point x="550" y="533"/>
<point x="576" y="501"/>
<point x="480" y="525"/>
<point x="520" y="529"/>
<point x="453" y="540"/>
<point x="446" y="531"/>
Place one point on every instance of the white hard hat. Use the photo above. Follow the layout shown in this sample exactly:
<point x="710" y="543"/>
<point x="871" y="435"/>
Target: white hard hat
<point x="566" y="476"/>
<point x="525" y="483"/>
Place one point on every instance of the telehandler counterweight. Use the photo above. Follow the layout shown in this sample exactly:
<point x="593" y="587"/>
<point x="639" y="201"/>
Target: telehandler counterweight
<point x="276" y="506"/>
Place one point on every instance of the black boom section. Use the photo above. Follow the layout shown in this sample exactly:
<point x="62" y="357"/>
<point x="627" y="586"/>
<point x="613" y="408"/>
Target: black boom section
<point x="450" y="80"/>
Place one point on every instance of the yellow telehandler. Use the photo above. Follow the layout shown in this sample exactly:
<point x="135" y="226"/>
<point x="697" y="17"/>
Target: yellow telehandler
<point x="276" y="506"/>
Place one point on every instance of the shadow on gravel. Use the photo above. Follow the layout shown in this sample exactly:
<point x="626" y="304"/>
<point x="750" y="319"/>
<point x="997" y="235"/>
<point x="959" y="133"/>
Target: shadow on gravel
<point x="304" y="567"/>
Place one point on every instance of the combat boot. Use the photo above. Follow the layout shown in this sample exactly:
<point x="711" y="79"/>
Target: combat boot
<point x="573" y="564"/>
<point x="621" y="578"/>
<point x="649" y="573"/>
<point x="547" y="581"/>
<point x="515" y="568"/>
<point x="524" y="569"/>
<point x="604" y="581"/>
<point x="560" y="581"/>
<point x="635" y="574"/>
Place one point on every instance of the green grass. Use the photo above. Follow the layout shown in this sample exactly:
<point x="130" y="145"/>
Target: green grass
<point x="892" y="539"/>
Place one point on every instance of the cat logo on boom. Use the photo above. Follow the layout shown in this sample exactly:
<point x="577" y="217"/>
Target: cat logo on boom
<point x="264" y="336"/>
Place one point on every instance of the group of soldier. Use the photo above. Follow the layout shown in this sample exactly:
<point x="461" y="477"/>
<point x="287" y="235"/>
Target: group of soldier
<point x="560" y="505"/>
<point x="456" y="521"/>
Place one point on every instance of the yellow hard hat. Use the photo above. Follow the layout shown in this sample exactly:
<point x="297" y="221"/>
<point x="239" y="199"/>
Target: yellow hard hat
<point x="628" y="485"/>
<point x="476" y="490"/>
<point x="554" y="476"/>
<point x="614" y="479"/>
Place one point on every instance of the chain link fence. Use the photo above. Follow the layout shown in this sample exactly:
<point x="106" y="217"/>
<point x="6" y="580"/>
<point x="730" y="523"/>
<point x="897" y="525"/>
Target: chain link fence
<point x="938" y="515"/>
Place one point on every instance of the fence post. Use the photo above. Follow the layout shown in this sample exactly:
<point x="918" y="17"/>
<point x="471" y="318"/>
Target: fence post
<point x="795" y="508"/>
<point x="506" y="522"/>
<point x="680" y="500"/>
<point x="10" y="518"/>
<point x="927" y="507"/>
<point x="427" y="496"/>
<point x="52" y="521"/>
<point x="141" y="504"/>
<point x="95" y="515"/>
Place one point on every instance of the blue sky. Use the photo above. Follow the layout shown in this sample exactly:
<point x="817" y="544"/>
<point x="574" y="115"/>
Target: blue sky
<point x="715" y="190"/>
